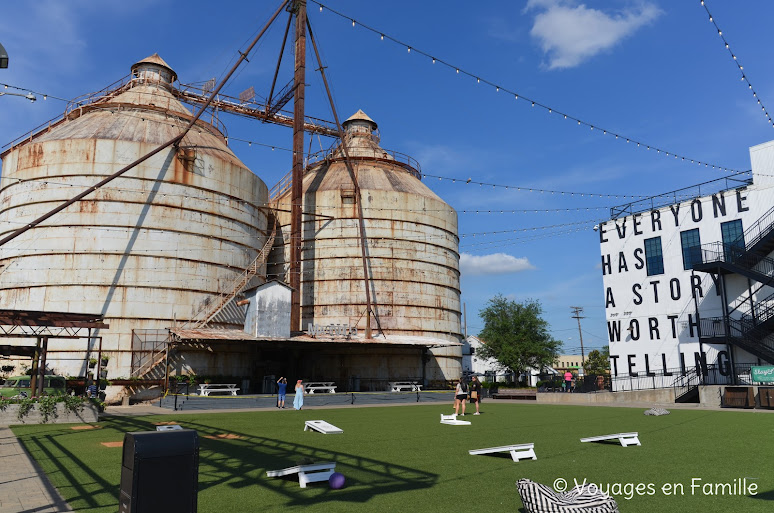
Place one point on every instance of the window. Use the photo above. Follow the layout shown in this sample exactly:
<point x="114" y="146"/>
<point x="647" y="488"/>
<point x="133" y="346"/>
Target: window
<point x="733" y="238"/>
<point x="654" y="259"/>
<point x="691" y="248"/>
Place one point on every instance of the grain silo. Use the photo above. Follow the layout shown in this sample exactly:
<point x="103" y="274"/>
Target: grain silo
<point x="148" y="249"/>
<point x="411" y="255"/>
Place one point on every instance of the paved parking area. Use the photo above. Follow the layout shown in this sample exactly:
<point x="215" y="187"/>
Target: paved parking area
<point x="24" y="488"/>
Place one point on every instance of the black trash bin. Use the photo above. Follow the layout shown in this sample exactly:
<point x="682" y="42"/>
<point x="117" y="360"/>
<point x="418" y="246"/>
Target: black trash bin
<point x="160" y="472"/>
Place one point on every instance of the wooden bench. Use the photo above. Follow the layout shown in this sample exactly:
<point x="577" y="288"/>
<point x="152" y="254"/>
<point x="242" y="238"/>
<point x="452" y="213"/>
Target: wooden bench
<point x="405" y="386"/>
<point x="306" y="473"/>
<point x="518" y="452"/>
<point x="205" y="389"/>
<point x="515" y="393"/>
<point x="320" y="386"/>
<point x="626" y="439"/>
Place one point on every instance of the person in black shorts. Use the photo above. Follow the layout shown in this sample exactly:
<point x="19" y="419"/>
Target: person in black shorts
<point x="460" y="395"/>
<point x="475" y="393"/>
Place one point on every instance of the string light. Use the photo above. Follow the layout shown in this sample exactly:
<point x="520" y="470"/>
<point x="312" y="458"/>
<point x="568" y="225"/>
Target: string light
<point x="736" y="61"/>
<point x="518" y="188"/>
<point x="516" y="95"/>
<point x="44" y="95"/>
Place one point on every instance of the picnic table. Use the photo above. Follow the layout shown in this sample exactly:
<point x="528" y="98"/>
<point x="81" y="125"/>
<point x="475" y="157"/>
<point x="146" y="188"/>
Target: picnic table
<point x="205" y="389"/>
<point x="405" y="386"/>
<point x="320" y="386"/>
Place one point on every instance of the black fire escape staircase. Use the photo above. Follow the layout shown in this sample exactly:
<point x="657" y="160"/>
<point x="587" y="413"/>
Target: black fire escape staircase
<point x="753" y="330"/>
<point x="687" y="387"/>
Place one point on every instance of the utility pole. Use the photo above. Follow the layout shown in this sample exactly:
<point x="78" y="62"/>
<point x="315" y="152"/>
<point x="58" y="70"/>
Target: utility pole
<point x="577" y="310"/>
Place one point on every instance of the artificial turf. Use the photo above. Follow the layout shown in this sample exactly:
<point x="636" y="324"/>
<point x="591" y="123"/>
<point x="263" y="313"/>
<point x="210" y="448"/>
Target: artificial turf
<point x="401" y="459"/>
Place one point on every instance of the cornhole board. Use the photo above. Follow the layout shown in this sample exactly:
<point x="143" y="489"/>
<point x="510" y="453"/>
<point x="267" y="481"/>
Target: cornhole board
<point x="322" y="426"/>
<point x="306" y="473"/>
<point x="452" y="420"/>
<point x="171" y="427"/>
<point x="626" y="439"/>
<point x="518" y="452"/>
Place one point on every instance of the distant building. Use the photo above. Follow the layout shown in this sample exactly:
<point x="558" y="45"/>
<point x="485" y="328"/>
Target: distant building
<point x="689" y="279"/>
<point x="489" y="369"/>
<point x="568" y="362"/>
<point x="474" y="363"/>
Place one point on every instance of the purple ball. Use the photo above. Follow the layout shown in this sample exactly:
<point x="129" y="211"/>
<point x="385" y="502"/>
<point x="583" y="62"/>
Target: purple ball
<point x="336" y="481"/>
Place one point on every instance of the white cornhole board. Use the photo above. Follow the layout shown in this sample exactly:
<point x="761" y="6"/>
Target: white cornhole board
<point x="452" y="420"/>
<point x="626" y="439"/>
<point x="322" y="427"/>
<point x="518" y="452"/>
<point x="171" y="427"/>
<point x="306" y="473"/>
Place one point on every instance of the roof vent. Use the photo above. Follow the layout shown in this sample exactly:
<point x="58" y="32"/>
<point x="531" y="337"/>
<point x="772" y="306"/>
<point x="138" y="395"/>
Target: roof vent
<point x="153" y="69"/>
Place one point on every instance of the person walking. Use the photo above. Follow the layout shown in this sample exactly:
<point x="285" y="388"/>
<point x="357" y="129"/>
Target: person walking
<point x="282" y="386"/>
<point x="475" y="393"/>
<point x="567" y="381"/>
<point x="298" y="402"/>
<point x="460" y="395"/>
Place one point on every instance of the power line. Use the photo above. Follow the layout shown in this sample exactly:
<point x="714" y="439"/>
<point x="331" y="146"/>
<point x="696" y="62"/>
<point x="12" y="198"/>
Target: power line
<point x="546" y="108"/>
<point x="738" y="64"/>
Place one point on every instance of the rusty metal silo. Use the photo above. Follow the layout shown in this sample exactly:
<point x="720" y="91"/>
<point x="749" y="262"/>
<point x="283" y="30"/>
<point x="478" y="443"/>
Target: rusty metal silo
<point x="412" y="248"/>
<point x="149" y="248"/>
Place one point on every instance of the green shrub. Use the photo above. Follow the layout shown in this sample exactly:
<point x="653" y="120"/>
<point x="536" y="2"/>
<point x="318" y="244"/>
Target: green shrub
<point x="73" y="403"/>
<point x="47" y="407"/>
<point x="25" y="406"/>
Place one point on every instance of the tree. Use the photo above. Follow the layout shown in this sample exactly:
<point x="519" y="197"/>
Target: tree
<point x="597" y="362"/>
<point x="516" y="335"/>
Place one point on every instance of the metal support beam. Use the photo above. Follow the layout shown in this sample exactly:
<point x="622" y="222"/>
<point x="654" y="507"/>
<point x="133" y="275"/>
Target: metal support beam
<point x="42" y="373"/>
<point x="298" y="165"/>
<point x="174" y="141"/>
<point x="358" y="196"/>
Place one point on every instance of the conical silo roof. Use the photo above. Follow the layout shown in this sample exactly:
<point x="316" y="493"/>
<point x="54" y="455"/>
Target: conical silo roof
<point x="146" y="111"/>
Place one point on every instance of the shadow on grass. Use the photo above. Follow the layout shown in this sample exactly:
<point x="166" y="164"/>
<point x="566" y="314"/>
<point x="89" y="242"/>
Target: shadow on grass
<point x="236" y="463"/>
<point x="766" y="496"/>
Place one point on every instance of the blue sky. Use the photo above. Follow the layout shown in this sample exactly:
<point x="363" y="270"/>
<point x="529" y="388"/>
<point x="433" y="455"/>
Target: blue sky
<point x="653" y="71"/>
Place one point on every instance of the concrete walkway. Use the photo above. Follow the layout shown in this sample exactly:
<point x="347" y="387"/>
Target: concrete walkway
<point x="24" y="488"/>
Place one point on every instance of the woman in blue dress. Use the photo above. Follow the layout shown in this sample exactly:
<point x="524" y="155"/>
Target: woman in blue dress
<point x="298" y="402"/>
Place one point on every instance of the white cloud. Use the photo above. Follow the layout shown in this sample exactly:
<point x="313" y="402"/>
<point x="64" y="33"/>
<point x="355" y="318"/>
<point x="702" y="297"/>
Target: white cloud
<point x="496" y="263"/>
<point x="571" y="33"/>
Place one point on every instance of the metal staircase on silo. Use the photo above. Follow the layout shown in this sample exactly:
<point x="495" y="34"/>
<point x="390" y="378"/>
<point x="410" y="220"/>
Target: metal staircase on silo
<point x="146" y="361"/>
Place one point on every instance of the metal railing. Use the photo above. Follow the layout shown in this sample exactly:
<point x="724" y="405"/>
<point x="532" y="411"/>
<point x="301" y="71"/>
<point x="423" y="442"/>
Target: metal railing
<point x="738" y="374"/>
<point x="149" y="348"/>
<point x="716" y="252"/>
<point x="686" y="383"/>
<point x="679" y="195"/>
<point x="758" y="230"/>
<point x="407" y="162"/>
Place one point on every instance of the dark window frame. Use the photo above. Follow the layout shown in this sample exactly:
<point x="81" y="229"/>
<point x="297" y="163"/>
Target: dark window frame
<point x="691" y="248"/>
<point x="654" y="263"/>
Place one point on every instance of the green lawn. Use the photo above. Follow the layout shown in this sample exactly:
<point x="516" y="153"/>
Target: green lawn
<point x="401" y="459"/>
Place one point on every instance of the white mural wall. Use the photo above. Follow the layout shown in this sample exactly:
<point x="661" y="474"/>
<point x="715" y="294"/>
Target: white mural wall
<point x="651" y="316"/>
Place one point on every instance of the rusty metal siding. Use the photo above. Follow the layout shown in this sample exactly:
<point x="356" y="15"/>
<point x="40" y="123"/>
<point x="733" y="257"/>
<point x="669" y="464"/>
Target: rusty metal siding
<point x="412" y="248"/>
<point x="146" y="251"/>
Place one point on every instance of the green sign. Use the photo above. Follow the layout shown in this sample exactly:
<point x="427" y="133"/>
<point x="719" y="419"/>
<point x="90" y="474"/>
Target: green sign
<point x="762" y="374"/>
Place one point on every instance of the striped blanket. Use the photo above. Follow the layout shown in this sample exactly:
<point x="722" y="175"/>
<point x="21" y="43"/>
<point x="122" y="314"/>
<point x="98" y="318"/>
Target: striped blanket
<point x="538" y="498"/>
